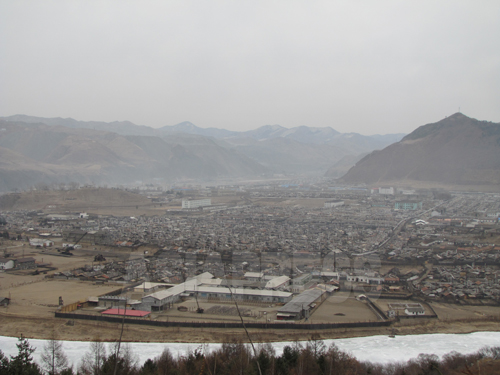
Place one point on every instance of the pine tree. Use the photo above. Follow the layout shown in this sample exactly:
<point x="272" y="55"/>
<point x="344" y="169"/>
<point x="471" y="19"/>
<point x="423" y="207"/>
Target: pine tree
<point x="22" y="363"/>
<point x="4" y="364"/>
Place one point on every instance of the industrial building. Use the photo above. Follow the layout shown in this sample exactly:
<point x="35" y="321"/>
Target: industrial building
<point x="40" y="242"/>
<point x="196" y="203"/>
<point x="278" y="283"/>
<point x="333" y="203"/>
<point x="203" y="288"/>
<point x="302" y="283"/>
<point x="300" y="306"/>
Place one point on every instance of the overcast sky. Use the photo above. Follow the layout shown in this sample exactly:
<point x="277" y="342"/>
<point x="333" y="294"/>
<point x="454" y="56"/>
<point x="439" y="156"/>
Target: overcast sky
<point x="357" y="66"/>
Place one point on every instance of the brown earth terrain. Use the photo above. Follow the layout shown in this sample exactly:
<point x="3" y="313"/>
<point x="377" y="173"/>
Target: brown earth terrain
<point x="457" y="150"/>
<point x="92" y="200"/>
<point x="80" y="330"/>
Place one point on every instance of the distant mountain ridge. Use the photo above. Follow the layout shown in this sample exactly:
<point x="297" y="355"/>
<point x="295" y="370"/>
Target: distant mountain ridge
<point x="120" y="127"/>
<point x="305" y="134"/>
<point x="190" y="128"/>
<point x="271" y="148"/>
<point x="38" y="153"/>
<point x="457" y="150"/>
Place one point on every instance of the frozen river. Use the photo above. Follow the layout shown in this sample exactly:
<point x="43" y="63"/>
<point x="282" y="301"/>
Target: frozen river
<point x="380" y="349"/>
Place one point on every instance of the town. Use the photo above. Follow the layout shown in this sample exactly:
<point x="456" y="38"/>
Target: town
<point x="288" y="253"/>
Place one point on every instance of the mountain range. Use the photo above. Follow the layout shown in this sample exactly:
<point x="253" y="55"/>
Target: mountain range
<point x="36" y="153"/>
<point x="457" y="150"/>
<point x="40" y="149"/>
<point x="304" y="134"/>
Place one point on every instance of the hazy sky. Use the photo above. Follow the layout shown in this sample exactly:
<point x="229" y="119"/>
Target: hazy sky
<point x="362" y="66"/>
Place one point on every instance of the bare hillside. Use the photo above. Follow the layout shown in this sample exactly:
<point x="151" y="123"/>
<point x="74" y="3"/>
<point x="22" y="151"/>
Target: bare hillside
<point x="34" y="153"/>
<point x="457" y="150"/>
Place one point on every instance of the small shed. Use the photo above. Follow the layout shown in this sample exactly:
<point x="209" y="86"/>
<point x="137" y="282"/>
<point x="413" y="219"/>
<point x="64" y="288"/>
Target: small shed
<point x="6" y="264"/>
<point x="414" y="311"/>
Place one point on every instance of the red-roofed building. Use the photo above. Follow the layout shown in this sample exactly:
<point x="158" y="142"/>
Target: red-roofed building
<point x="132" y="313"/>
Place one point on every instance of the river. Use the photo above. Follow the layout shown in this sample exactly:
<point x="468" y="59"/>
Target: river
<point x="377" y="349"/>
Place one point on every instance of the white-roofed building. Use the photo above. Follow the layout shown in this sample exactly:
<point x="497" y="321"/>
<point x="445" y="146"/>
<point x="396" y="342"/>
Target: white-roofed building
<point x="6" y="264"/>
<point x="211" y="282"/>
<point x="149" y="287"/>
<point x="278" y="283"/>
<point x="164" y="299"/>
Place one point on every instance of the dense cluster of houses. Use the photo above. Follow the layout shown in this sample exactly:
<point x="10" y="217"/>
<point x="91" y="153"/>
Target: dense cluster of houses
<point x="291" y="249"/>
<point x="461" y="282"/>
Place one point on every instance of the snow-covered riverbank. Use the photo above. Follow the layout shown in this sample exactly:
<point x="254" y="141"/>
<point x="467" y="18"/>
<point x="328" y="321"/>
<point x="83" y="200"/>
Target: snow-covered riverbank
<point x="380" y="349"/>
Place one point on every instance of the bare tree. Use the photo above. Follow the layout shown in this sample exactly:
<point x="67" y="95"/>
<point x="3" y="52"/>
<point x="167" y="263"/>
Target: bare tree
<point x="53" y="358"/>
<point x="166" y="362"/>
<point x="94" y="359"/>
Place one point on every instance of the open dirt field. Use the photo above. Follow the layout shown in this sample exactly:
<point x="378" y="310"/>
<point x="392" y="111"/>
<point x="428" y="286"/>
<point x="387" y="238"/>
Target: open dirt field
<point x="91" y="200"/>
<point x="216" y="312"/>
<point x="52" y="259"/>
<point x="121" y="203"/>
<point x="36" y="295"/>
<point x="449" y="312"/>
<point x="79" y="330"/>
<point x="341" y="308"/>
<point x="41" y="298"/>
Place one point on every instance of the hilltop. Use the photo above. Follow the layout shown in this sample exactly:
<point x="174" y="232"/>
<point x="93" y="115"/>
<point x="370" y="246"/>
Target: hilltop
<point x="457" y="150"/>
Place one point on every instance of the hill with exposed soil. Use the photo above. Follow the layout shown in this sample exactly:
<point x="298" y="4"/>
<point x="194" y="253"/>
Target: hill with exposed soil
<point x="457" y="150"/>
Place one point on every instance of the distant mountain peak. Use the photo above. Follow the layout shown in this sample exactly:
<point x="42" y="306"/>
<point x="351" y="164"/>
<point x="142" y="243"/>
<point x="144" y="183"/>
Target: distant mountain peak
<point x="274" y="127"/>
<point x="186" y="124"/>
<point x="457" y="119"/>
<point x="458" y="115"/>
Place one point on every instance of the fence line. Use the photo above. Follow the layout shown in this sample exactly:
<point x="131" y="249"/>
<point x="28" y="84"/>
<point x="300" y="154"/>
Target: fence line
<point x="380" y="314"/>
<point x="157" y="323"/>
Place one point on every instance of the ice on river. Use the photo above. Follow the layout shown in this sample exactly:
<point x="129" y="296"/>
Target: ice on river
<point x="377" y="349"/>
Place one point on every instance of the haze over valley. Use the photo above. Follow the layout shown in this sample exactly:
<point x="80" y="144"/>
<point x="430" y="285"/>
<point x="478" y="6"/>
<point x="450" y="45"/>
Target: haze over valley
<point x="456" y="151"/>
<point x="52" y="151"/>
